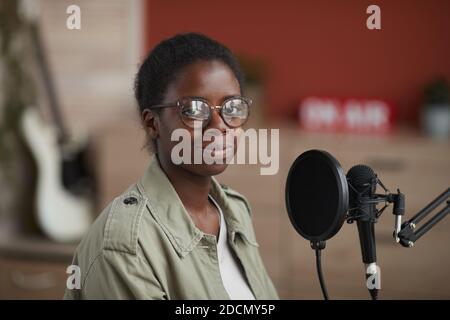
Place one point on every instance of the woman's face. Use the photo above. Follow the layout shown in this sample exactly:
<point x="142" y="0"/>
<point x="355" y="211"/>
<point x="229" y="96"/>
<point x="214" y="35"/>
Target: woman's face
<point x="211" y="80"/>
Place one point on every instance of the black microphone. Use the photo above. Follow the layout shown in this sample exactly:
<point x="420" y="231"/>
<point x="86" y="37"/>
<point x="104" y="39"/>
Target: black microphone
<point x="362" y="183"/>
<point x="320" y="198"/>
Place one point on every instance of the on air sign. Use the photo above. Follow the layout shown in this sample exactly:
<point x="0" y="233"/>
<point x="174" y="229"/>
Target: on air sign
<point x="346" y="115"/>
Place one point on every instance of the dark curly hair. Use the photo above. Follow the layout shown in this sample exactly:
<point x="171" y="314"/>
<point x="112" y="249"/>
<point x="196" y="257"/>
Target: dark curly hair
<point x="160" y="67"/>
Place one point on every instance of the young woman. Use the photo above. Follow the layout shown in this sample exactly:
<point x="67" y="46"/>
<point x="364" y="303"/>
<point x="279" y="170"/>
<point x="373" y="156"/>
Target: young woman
<point x="177" y="233"/>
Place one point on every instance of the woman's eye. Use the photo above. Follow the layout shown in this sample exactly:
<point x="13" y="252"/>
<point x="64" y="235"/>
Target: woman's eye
<point x="190" y="112"/>
<point x="194" y="111"/>
<point x="234" y="108"/>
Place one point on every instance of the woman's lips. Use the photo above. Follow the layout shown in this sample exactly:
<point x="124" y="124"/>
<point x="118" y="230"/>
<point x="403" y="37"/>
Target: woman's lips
<point x="217" y="150"/>
<point x="218" y="144"/>
<point x="212" y="148"/>
<point x="218" y="147"/>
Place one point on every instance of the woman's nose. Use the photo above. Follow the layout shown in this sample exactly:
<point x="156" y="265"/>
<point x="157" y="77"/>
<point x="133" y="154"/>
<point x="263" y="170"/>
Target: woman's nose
<point x="217" y="121"/>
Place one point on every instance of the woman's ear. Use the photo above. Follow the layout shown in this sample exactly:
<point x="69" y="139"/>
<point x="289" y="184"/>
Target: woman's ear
<point x="150" y="120"/>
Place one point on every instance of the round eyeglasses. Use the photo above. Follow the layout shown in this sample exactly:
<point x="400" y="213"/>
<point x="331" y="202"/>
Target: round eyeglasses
<point x="234" y="111"/>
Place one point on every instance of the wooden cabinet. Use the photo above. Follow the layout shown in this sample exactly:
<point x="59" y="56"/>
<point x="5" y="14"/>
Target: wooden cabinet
<point x="28" y="279"/>
<point x="33" y="268"/>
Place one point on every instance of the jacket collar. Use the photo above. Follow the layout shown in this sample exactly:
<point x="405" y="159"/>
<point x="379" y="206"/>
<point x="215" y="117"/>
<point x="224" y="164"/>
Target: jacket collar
<point x="168" y="210"/>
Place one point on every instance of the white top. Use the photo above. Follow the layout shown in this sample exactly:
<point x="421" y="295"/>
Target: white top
<point x="233" y="277"/>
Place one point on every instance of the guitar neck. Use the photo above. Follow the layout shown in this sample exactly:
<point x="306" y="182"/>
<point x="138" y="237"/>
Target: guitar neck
<point x="55" y="109"/>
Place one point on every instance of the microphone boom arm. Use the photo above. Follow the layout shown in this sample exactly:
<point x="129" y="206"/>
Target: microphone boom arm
<point x="407" y="235"/>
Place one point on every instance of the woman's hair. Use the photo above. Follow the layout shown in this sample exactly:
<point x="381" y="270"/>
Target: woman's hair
<point x="163" y="63"/>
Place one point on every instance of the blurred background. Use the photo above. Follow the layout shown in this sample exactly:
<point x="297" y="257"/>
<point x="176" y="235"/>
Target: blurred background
<point x="71" y="140"/>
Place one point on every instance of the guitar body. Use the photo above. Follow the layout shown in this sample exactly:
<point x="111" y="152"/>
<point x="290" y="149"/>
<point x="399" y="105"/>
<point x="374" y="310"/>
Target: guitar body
<point x="62" y="215"/>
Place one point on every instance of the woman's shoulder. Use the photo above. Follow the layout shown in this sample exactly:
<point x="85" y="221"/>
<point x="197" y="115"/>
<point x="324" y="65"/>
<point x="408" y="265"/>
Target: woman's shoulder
<point x="116" y="227"/>
<point x="112" y="247"/>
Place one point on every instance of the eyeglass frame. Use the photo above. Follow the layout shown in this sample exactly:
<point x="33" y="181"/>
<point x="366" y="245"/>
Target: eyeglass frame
<point x="179" y="105"/>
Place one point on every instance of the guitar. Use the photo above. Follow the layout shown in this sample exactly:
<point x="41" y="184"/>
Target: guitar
<point x="65" y="183"/>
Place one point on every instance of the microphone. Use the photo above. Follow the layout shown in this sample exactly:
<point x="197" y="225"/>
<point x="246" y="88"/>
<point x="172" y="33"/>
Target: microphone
<point x="362" y="183"/>
<point x="320" y="198"/>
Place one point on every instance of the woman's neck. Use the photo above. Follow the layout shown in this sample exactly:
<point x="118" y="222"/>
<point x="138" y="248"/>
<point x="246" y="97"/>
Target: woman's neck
<point x="191" y="188"/>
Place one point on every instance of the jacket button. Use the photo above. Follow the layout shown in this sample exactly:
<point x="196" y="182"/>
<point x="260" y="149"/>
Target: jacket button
<point x="130" y="200"/>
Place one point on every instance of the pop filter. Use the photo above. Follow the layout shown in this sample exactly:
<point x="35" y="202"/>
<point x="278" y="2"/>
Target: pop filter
<point x="316" y="195"/>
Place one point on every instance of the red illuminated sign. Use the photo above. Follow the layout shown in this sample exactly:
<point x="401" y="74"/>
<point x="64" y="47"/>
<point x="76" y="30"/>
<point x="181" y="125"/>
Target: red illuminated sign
<point x="346" y="115"/>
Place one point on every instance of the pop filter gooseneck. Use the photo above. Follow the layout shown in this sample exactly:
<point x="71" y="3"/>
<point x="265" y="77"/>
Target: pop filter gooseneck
<point x="317" y="200"/>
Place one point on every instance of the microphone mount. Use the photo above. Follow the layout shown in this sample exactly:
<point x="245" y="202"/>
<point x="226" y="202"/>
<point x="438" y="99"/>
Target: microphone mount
<point x="398" y="199"/>
<point x="407" y="233"/>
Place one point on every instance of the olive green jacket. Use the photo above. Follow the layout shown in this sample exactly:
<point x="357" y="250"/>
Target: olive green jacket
<point x="144" y="245"/>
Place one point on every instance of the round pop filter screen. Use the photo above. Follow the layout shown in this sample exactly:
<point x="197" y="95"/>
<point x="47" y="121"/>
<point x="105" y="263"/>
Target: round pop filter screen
<point x="316" y="195"/>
